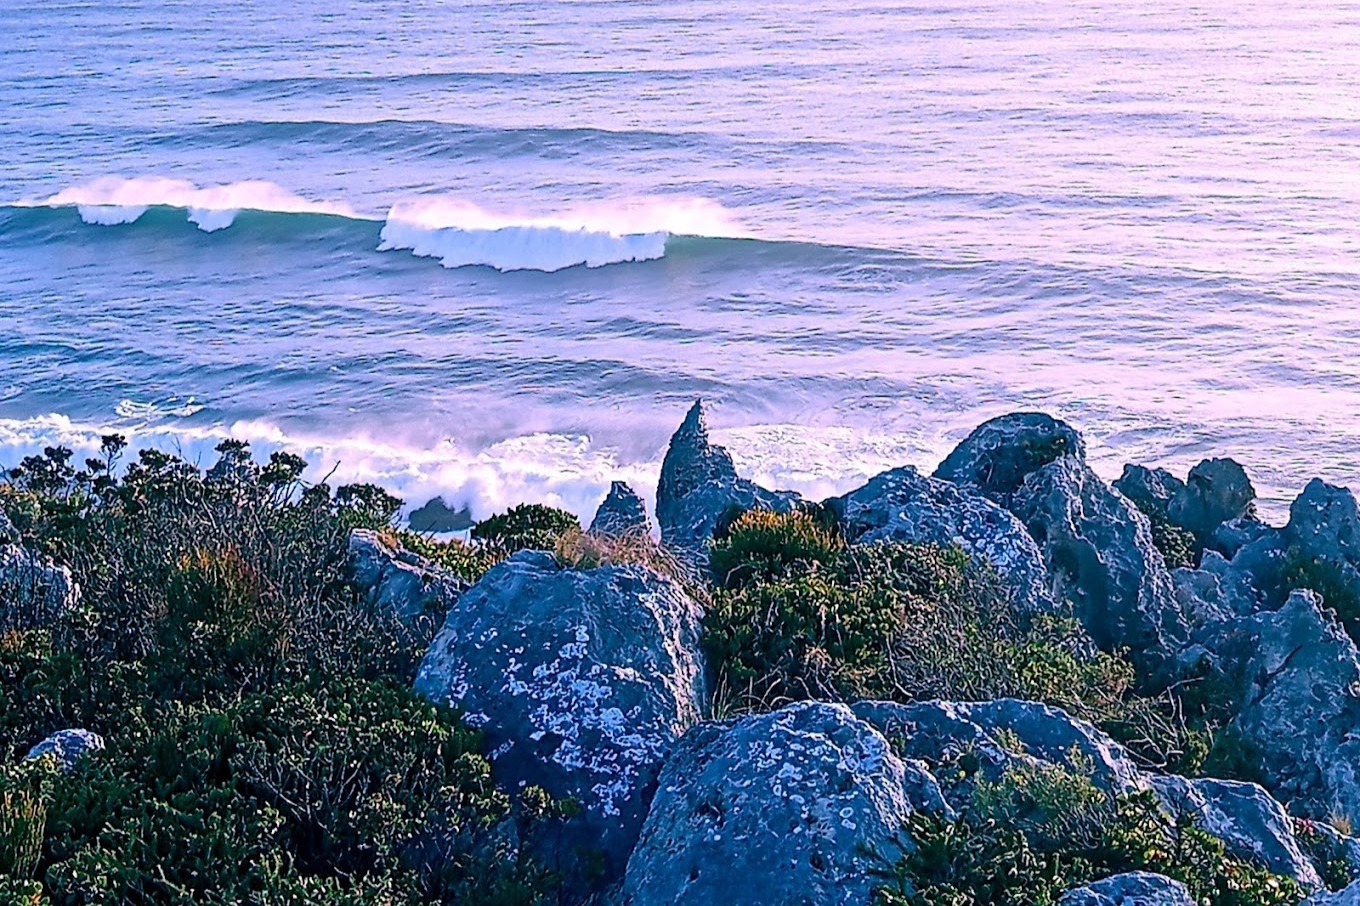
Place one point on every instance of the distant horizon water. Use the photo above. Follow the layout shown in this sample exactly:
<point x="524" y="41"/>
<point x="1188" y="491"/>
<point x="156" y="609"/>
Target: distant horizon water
<point x="492" y="252"/>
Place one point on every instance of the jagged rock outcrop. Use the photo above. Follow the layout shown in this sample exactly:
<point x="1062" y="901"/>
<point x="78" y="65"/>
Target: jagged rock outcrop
<point x="699" y="487"/>
<point x="582" y="682"/>
<point x="437" y="516"/>
<point x="1099" y="551"/>
<point x="1216" y="491"/>
<point x="1135" y="888"/>
<point x="1218" y="590"/>
<point x="398" y="581"/>
<point x="1252" y="825"/>
<point x="999" y="454"/>
<point x="903" y="505"/>
<point x="1151" y="490"/>
<point x="1348" y="897"/>
<point x="1299" y="712"/>
<point x="621" y="514"/>
<point x="937" y="731"/>
<point x="797" y="806"/>
<point x="66" y="747"/>
<point x="34" y="591"/>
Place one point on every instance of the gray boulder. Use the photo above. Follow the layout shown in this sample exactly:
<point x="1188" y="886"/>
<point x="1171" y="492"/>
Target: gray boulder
<point x="1216" y="491"/>
<point x="798" y="806"/>
<point x="1251" y="824"/>
<point x="1348" y="897"/>
<point x="1218" y="590"/>
<point x="1323" y="534"/>
<point x="1136" y="888"/>
<point x="903" y="505"/>
<point x="582" y="682"/>
<point x="66" y="747"/>
<point x="621" y="514"/>
<point x="398" y="581"/>
<point x="699" y="487"/>
<point x="1099" y="552"/>
<point x="1151" y="490"/>
<point x="438" y="516"/>
<point x="34" y="591"/>
<point x="998" y="455"/>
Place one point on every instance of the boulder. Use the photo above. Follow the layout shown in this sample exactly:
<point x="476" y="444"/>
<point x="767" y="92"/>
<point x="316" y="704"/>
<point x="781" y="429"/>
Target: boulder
<point x="1253" y="826"/>
<point x="1151" y="490"/>
<point x="1099" y="552"/>
<point x="621" y="514"/>
<point x="66" y="747"/>
<point x="437" y="516"/>
<point x="1216" y="491"/>
<point x="802" y="805"/>
<point x="1136" y="888"/>
<point x="1322" y="539"/>
<point x="1218" y="590"/>
<point x="398" y="581"/>
<point x="1348" y="897"/>
<point x="1299" y="693"/>
<point x="903" y="505"/>
<point x="582" y="682"/>
<point x="700" y="487"/>
<point x="34" y="591"/>
<point x="998" y="455"/>
<point x="937" y="732"/>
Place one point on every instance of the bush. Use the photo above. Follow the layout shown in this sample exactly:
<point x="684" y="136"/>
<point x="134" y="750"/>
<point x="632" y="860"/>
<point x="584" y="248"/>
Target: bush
<point x="760" y="546"/>
<point x="529" y="526"/>
<point x="468" y="562"/>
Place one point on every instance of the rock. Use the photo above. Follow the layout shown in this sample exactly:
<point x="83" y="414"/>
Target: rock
<point x="1099" y="552"/>
<point x="437" y="516"/>
<point x="621" y="514"/>
<point x="66" y="747"/>
<point x="1151" y="490"/>
<point x="699" y="487"/>
<point x="1136" y="888"/>
<point x="1348" y="897"/>
<point x="903" y="505"/>
<point x="582" y="682"/>
<point x="1299" y="717"/>
<point x="936" y="732"/>
<point x="1215" y="492"/>
<point x="797" y="806"/>
<point x="1235" y="534"/>
<point x="397" y="581"/>
<point x="1252" y="825"/>
<point x="1000" y="453"/>
<point x="34" y="592"/>
<point x="1323" y="535"/>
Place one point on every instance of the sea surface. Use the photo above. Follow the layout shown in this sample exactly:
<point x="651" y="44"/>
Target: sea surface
<point x="493" y="250"/>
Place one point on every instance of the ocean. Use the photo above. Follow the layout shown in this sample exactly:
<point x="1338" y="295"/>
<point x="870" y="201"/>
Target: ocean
<point x="493" y="251"/>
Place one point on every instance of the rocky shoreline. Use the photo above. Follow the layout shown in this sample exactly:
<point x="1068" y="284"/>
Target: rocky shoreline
<point x="588" y="674"/>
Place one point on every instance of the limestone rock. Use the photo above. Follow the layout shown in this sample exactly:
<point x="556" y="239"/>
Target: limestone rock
<point x="398" y="581"/>
<point x="66" y="747"/>
<point x="998" y="455"/>
<point x="1136" y="888"/>
<point x="699" y="487"/>
<point x="797" y="806"/>
<point x="582" y="682"/>
<point x="903" y="505"/>
<point x="34" y="591"/>
<point x="621" y="514"/>
<point x="1216" y="491"/>
<point x="1151" y="490"/>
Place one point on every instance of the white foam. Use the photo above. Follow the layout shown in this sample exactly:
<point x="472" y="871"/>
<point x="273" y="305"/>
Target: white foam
<point x="460" y="233"/>
<point x="112" y="200"/>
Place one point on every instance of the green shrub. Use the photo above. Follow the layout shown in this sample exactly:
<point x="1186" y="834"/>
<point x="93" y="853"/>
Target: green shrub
<point x="1178" y="546"/>
<point x="468" y="562"/>
<point x="760" y="546"/>
<point x="23" y="818"/>
<point x="1336" y="588"/>
<point x="529" y="526"/>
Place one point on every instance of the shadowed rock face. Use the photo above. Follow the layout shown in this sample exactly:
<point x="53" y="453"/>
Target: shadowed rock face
<point x="397" y="581"/>
<point x="66" y="747"/>
<point x="997" y="456"/>
<point x="788" y="807"/>
<point x="1216" y="491"/>
<point x="1151" y="490"/>
<point x="581" y="680"/>
<point x="1136" y="888"/>
<point x="903" y="505"/>
<point x="1348" y="897"/>
<point x="437" y="516"/>
<point x="699" y="487"/>
<point x="621" y="514"/>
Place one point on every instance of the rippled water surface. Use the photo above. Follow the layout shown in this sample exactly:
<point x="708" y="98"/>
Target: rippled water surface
<point x="492" y="250"/>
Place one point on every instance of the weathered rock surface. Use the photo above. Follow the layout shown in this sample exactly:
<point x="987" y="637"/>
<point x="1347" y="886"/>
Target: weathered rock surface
<point x="1300" y="704"/>
<point x="1099" y="552"/>
<point x="621" y="514"/>
<point x="797" y="806"/>
<point x="1348" y="897"/>
<point x="699" y="487"/>
<point x="936" y="732"/>
<point x="1216" y="491"/>
<point x="398" y="581"/>
<point x="998" y="455"/>
<point x="1251" y="824"/>
<point x="903" y="505"/>
<point x="66" y="747"/>
<point x="1136" y="888"/>
<point x="1151" y="490"/>
<point x="581" y="680"/>
<point x="438" y="516"/>
<point x="34" y="591"/>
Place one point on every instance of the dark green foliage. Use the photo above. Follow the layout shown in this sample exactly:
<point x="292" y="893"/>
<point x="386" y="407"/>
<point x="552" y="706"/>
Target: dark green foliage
<point x="1036" y="837"/>
<point x="1178" y="546"/>
<point x="1337" y="589"/>
<point x="262" y="742"/>
<point x="820" y="620"/>
<point x="466" y="561"/>
<point x="1324" y="849"/>
<point x="529" y="526"/>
